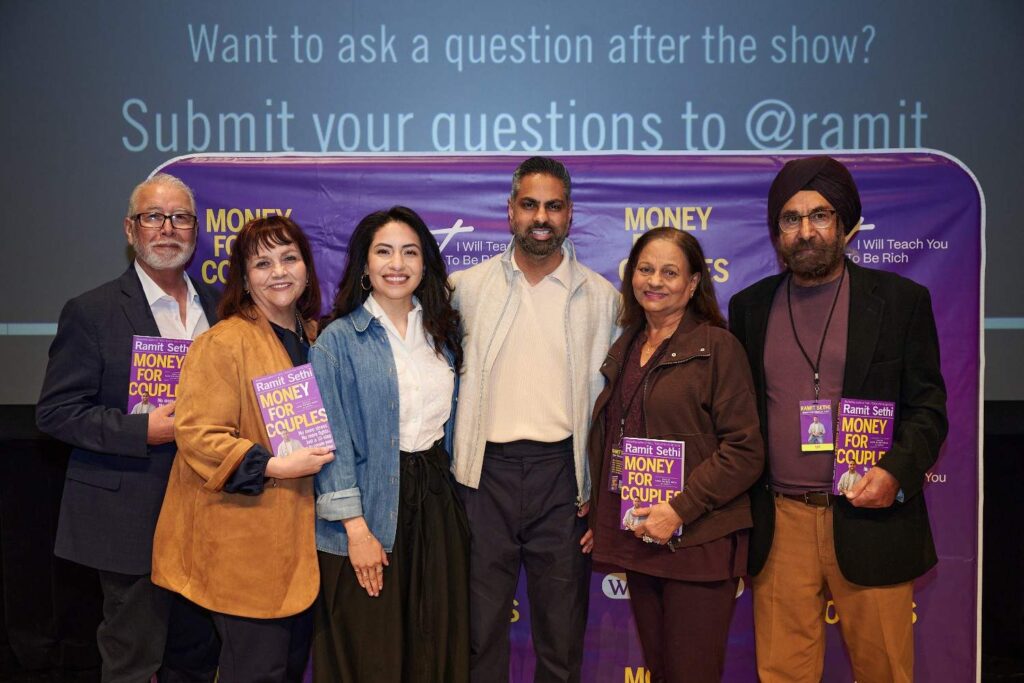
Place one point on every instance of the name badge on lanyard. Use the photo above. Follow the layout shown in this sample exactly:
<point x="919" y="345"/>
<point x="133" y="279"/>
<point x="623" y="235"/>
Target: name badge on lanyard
<point x="816" y="433"/>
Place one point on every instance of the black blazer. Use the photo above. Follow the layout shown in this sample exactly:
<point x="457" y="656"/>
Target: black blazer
<point x="892" y="354"/>
<point x="115" y="483"/>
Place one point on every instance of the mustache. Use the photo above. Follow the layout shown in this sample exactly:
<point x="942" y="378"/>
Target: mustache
<point x="803" y="243"/>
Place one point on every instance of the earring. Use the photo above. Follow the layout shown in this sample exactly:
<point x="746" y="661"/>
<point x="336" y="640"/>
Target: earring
<point x="364" y="282"/>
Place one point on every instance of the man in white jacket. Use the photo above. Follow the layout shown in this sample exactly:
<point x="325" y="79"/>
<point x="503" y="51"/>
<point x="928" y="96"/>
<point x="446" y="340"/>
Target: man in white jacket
<point x="538" y="325"/>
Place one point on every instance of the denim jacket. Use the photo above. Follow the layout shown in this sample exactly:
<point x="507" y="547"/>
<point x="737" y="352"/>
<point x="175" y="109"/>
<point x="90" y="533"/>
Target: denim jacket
<point x="355" y="369"/>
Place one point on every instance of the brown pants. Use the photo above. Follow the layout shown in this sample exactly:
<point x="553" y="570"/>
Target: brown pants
<point x="683" y="626"/>
<point x="790" y="599"/>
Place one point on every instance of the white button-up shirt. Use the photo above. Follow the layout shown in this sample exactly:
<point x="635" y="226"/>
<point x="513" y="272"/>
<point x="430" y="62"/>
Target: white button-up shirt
<point x="425" y="382"/>
<point x="166" y="312"/>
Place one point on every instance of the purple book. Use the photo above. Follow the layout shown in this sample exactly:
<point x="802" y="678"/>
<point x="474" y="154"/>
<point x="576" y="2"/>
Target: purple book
<point x="652" y="472"/>
<point x="155" y="371"/>
<point x="293" y="411"/>
<point x="864" y="435"/>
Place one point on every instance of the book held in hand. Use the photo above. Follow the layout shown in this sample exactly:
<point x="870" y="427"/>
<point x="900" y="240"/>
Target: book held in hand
<point x="652" y="473"/>
<point x="293" y="410"/>
<point x="863" y="436"/>
<point x="155" y="371"/>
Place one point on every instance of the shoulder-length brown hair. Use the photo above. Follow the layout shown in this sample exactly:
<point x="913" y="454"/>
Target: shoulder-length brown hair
<point x="703" y="304"/>
<point x="268" y="233"/>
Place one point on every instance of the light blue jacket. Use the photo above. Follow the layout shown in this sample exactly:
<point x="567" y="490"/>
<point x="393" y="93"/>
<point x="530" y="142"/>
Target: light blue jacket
<point x="355" y="368"/>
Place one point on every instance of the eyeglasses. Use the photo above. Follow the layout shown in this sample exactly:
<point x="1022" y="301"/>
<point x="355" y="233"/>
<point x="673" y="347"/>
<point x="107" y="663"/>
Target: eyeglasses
<point x="154" y="220"/>
<point x="820" y="219"/>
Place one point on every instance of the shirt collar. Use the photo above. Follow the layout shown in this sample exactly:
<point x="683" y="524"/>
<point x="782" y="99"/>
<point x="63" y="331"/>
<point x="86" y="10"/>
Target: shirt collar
<point x="377" y="312"/>
<point x="152" y="289"/>
<point x="561" y="274"/>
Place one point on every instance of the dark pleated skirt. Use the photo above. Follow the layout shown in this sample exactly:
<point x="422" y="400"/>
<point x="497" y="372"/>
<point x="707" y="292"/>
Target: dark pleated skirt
<point x="417" y="629"/>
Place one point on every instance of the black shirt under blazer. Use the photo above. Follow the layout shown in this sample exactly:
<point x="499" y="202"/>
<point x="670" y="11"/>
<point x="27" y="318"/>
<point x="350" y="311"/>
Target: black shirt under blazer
<point x="892" y="354"/>
<point x="115" y="482"/>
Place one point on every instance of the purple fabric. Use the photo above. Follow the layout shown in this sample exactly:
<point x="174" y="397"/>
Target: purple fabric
<point x="789" y="380"/>
<point x="922" y="219"/>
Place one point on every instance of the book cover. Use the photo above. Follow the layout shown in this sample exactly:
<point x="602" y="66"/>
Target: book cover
<point x="863" y="436"/>
<point x="293" y="410"/>
<point x="154" y="373"/>
<point x="652" y="472"/>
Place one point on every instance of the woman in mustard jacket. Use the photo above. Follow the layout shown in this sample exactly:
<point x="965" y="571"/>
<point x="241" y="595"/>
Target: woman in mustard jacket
<point x="236" y="533"/>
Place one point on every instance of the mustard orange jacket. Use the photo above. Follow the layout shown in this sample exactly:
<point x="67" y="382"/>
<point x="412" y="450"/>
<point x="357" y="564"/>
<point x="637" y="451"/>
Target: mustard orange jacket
<point x="245" y="555"/>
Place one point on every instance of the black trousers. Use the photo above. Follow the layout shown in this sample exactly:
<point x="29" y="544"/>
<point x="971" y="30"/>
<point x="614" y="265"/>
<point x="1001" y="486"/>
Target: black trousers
<point x="148" y="630"/>
<point x="683" y="626"/>
<point x="264" y="650"/>
<point x="524" y="515"/>
<point x="417" y="629"/>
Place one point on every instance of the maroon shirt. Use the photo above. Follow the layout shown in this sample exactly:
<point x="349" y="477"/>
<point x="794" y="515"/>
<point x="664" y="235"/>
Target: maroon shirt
<point x="789" y="379"/>
<point x="717" y="560"/>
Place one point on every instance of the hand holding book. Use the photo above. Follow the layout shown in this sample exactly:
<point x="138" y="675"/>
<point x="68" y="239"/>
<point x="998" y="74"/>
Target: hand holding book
<point x="876" y="489"/>
<point x="160" y="428"/>
<point x="660" y="522"/>
<point x="299" y="463"/>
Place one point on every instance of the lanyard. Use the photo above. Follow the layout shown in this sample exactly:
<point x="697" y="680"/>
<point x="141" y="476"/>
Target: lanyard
<point x="651" y="363"/>
<point x="616" y="462"/>
<point x="816" y="365"/>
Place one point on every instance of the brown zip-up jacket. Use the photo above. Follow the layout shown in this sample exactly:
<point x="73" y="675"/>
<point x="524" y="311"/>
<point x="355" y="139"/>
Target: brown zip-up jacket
<point x="700" y="392"/>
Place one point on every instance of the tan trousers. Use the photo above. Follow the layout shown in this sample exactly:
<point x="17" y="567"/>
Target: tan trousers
<point x="790" y="599"/>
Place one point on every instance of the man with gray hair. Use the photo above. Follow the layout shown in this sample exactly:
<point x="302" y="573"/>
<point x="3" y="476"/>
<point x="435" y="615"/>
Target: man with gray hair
<point x="120" y="462"/>
<point x="538" y="326"/>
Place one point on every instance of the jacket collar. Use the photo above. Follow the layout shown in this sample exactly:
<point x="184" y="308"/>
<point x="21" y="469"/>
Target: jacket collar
<point x="135" y="306"/>
<point x="361" y="319"/>
<point x="865" y="325"/>
<point x="690" y="340"/>
<point x="577" y="275"/>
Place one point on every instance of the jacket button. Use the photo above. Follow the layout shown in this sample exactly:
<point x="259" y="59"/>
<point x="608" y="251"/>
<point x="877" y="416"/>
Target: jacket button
<point x="674" y="355"/>
<point x="702" y="349"/>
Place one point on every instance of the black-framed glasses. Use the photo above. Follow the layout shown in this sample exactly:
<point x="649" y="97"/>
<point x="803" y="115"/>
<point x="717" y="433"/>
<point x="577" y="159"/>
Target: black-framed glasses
<point x="154" y="220"/>
<point x="820" y="219"/>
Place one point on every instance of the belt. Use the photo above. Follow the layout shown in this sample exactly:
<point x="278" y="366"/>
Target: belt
<point x="818" y="499"/>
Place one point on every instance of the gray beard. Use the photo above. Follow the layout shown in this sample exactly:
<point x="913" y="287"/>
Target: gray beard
<point x="814" y="265"/>
<point x="157" y="262"/>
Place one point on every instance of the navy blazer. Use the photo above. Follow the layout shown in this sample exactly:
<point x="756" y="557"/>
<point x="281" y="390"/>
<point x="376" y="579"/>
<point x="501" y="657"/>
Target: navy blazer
<point x="115" y="482"/>
<point x="892" y="354"/>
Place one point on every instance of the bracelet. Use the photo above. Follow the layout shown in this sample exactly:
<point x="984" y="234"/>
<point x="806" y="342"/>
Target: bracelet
<point x="364" y="539"/>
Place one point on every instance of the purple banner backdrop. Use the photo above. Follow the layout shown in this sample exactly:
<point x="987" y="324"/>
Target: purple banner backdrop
<point x="923" y="216"/>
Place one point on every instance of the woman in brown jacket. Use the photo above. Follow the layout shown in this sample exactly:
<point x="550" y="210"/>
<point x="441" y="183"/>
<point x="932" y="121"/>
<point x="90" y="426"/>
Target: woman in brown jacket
<point x="676" y="374"/>
<point x="236" y="533"/>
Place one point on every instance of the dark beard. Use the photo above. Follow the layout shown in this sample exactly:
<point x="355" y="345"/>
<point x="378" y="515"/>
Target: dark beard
<point x="537" y="248"/>
<point x="813" y="259"/>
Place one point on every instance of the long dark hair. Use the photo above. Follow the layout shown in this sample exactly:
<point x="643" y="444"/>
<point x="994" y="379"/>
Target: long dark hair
<point x="268" y="233"/>
<point x="703" y="304"/>
<point x="440" y="320"/>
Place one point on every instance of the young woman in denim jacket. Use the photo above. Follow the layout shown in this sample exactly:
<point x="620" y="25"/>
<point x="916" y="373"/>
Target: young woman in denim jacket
<point x="391" y="532"/>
